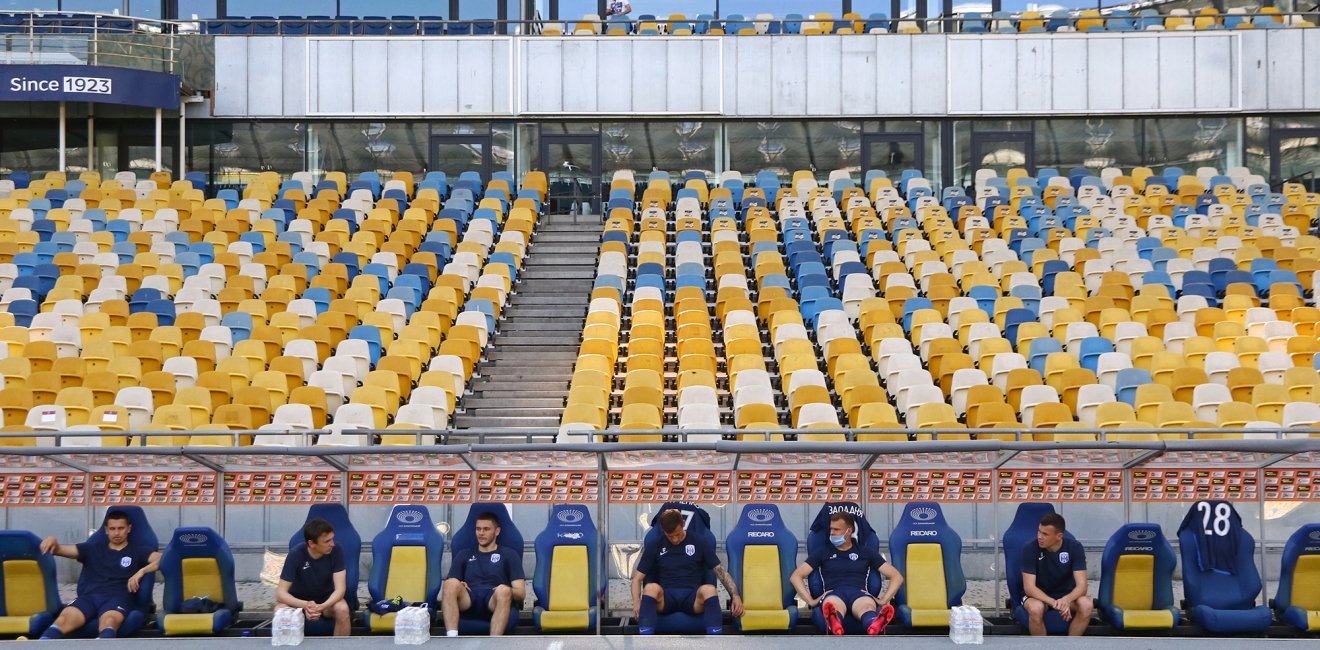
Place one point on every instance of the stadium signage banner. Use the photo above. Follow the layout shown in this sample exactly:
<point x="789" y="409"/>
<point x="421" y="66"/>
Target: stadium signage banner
<point x="86" y="83"/>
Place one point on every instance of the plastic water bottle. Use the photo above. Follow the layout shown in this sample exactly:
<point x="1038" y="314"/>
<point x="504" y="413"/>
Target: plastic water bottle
<point x="412" y="626"/>
<point x="978" y="629"/>
<point x="287" y="627"/>
<point x="956" y="625"/>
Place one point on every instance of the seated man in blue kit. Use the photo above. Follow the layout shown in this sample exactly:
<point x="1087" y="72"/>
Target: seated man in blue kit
<point x="671" y="577"/>
<point x="845" y="569"/>
<point x="110" y="576"/>
<point x="486" y="583"/>
<point x="314" y="578"/>
<point x="1054" y="577"/>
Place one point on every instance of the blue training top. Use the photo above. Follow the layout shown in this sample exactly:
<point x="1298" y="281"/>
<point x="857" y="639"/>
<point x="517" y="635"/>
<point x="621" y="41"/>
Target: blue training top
<point x="682" y="565"/>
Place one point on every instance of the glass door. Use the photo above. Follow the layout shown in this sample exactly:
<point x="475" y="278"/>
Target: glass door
<point x="1003" y="151"/>
<point x="1295" y="158"/>
<point x="892" y="153"/>
<point x="455" y="154"/>
<point x="572" y="164"/>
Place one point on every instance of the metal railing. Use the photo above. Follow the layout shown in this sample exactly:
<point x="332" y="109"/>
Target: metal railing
<point x="88" y="39"/>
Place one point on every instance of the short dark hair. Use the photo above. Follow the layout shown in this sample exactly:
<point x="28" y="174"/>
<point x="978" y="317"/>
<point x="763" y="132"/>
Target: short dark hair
<point x="314" y="529"/>
<point x="846" y="517"/>
<point x="489" y="516"/>
<point x="1054" y="520"/>
<point x="118" y="514"/>
<point x="670" y="520"/>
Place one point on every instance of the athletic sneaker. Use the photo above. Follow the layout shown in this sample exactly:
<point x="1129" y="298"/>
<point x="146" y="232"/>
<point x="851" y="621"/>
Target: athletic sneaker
<point x="833" y="621"/>
<point x="882" y="620"/>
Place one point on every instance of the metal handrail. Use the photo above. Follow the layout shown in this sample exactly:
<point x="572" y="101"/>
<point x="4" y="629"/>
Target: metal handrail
<point x="90" y="38"/>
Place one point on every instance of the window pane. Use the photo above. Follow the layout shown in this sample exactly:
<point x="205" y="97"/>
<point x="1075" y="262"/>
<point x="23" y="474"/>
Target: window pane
<point x="198" y="8"/>
<point x="781" y="8"/>
<point x="1258" y="144"/>
<point x="478" y="9"/>
<point x="1192" y="142"/>
<point x="575" y="9"/>
<point x="356" y="147"/>
<point x="241" y="150"/>
<point x="145" y="8"/>
<point x="93" y="6"/>
<point x="1094" y="144"/>
<point x="785" y="147"/>
<point x="867" y="7"/>
<point x="281" y="8"/>
<point x="394" y="8"/>
<point x="674" y="147"/>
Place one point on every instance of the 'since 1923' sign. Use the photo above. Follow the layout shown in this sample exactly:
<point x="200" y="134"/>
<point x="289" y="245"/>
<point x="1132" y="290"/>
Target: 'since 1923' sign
<point x="101" y="84"/>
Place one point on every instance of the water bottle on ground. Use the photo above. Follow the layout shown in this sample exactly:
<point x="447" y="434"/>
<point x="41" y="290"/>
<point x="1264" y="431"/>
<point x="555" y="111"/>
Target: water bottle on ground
<point x="978" y="629"/>
<point x="412" y="625"/>
<point x="287" y="627"/>
<point x="956" y="624"/>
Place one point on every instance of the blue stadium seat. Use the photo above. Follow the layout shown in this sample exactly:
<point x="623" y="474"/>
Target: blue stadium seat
<point x="465" y="539"/>
<point x="696" y="523"/>
<point x="141" y="533"/>
<point x="568" y="580"/>
<point x="405" y="562"/>
<point x="762" y="555"/>
<point x="1020" y="533"/>
<point x="1222" y="599"/>
<point x="1297" y="601"/>
<point x="1136" y="579"/>
<point x="349" y="542"/>
<point x="819" y="537"/>
<point x="197" y="563"/>
<point x="927" y="551"/>
<point x="29" y="596"/>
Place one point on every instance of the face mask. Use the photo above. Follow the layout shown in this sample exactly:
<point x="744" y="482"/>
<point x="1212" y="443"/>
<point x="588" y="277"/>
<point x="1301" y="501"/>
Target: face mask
<point x="838" y="540"/>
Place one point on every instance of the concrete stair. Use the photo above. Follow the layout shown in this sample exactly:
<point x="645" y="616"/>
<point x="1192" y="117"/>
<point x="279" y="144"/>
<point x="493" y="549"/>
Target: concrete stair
<point x="523" y="379"/>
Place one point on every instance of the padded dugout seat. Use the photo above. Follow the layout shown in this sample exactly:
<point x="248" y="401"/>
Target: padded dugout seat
<point x="31" y="597"/>
<point x="465" y="538"/>
<point x="197" y="562"/>
<point x="819" y="537"/>
<point x="1136" y="579"/>
<point x="1223" y="601"/>
<point x="762" y="555"/>
<point x="144" y="604"/>
<point x="568" y="582"/>
<point x="1297" y="602"/>
<point x="349" y="542"/>
<point x="1026" y="521"/>
<point x="405" y="562"/>
<point x="928" y="552"/>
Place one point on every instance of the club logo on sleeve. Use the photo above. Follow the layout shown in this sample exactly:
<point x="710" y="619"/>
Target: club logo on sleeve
<point x="690" y="550"/>
<point x="494" y="558"/>
<point x="125" y="561"/>
<point x="1064" y="557"/>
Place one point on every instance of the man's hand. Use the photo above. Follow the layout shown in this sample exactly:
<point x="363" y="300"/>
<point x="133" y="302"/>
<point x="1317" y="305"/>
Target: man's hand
<point x="49" y="545"/>
<point x="312" y="610"/>
<point x="1064" y="607"/>
<point x="134" y="582"/>
<point x="813" y="604"/>
<point x="737" y="608"/>
<point x="637" y="609"/>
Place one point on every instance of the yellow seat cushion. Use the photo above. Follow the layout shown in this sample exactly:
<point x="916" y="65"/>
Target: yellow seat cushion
<point x="764" y="620"/>
<point x="927" y="594"/>
<point x="1305" y="572"/>
<point x="406" y="579"/>
<point x="25" y="589"/>
<point x="1147" y="618"/>
<point x="15" y="624"/>
<point x="189" y="624"/>
<point x="564" y="621"/>
<point x="1312" y="621"/>
<point x="1134" y="579"/>
<point x="570" y="571"/>
<point x="201" y="577"/>
<point x="382" y="622"/>
<point x="763" y="589"/>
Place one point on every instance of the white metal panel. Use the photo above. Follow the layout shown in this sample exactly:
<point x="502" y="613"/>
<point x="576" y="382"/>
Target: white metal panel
<point x="964" y="74"/>
<point x="788" y="80"/>
<point x="543" y="83"/>
<point x="684" y="67"/>
<point x="1104" y="67"/>
<point x="999" y="72"/>
<point x="1068" y="58"/>
<point x="894" y="75"/>
<point x="439" y="77"/>
<point x="623" y="85"/>
<point x="334" y="89"/>
<point x="929" y="74"/>
<point x="371" y="91"/>
<point x="752" y="68"/>
<point x="295" y="76"/>
<point x="1176" y="81"/>
<point x="403" y="76"/>
<point x="266" y="88"/>
<point x="824" y="75"/>
<point x="1311" y="73"/>
<point x="1141" y="90"/>
<point x="1216" y="72"/>
<point x="580" y="74"/>
<point x="712" y="81"/>
<point x="476" y="80"/>
<point x="1035" y="79"/>
<point x="231" y="76"/>
<point x="1253" y="58"/>
<point x="857" y="61"/>
<point x="1286" y="63"/>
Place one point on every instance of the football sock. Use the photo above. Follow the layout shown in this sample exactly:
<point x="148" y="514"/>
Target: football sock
<point x="867" y="618"/>
<point x="647" y="616"/>
<point x="52" y="632"/>
<point x="713" y="617"/>
<point x="106" y="633"/>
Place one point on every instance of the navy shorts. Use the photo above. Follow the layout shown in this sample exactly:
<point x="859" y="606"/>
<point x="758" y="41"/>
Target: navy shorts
<point x="850" y="596"/>
<point x="680" y="599"/>
<point x="93" y="606"/>
<point x="480" y="603"/>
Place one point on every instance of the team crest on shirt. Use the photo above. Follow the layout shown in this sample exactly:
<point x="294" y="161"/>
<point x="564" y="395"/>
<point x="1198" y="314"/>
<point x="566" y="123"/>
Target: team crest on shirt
<point x="125" y="562"/>
<point x="690" y="550"/>
<point x="852" y="556"/>
<point x="1064" y="557"/>
<point x="494" y="558"/>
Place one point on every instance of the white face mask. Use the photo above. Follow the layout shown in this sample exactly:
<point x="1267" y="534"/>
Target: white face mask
<point x="838" y="540"/>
